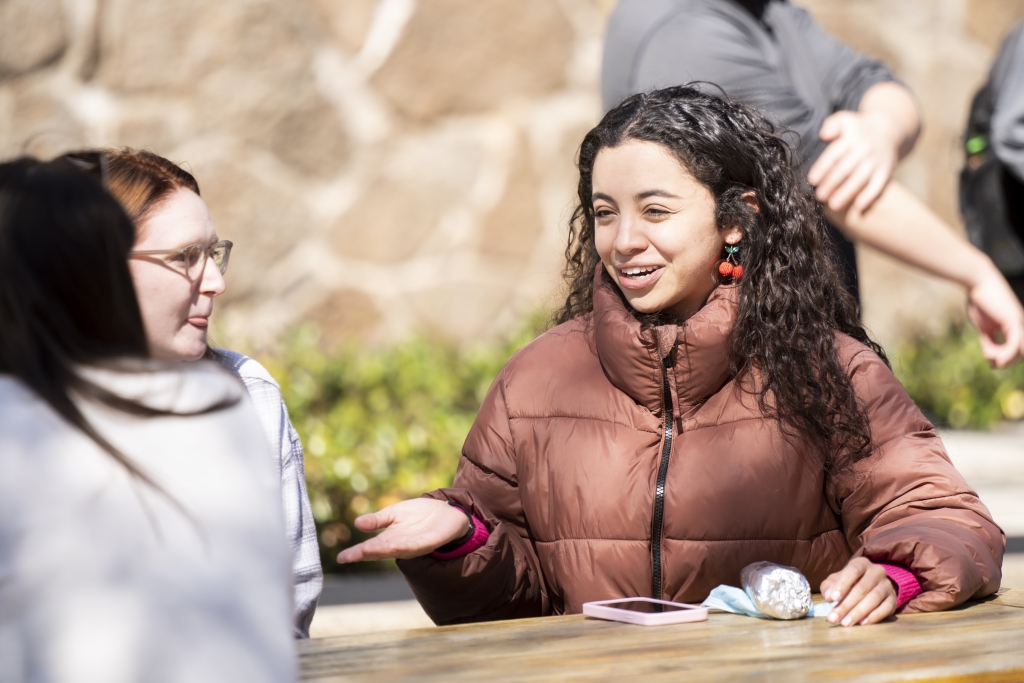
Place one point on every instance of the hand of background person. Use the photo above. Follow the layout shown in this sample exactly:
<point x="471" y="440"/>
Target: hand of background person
<point x="412" y="528"/>
<point x="993" y="307"/>
<point x="902" y="226"/>
<point x="855" y="168"/>
<point x="863" y="591"/>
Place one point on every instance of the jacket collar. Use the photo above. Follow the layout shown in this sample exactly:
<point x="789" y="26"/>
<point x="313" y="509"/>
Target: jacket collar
<point x="632" y="358"/>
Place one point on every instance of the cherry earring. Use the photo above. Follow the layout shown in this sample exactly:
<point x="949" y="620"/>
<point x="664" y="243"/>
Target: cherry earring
<point x="728" y="267"/>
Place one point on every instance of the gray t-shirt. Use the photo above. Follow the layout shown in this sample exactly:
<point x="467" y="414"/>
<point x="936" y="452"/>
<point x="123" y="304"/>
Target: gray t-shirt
<point x="781" y="62"/>
<point x="1007" y="80"/>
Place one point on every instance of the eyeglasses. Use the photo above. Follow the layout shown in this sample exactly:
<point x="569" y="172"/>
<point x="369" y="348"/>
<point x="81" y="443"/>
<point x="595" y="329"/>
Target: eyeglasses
<point x="191" y="260"/>
<point x="93" y="163"/>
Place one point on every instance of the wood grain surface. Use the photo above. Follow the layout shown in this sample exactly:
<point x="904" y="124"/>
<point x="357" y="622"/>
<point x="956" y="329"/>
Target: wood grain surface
<point x="976" y="642"/>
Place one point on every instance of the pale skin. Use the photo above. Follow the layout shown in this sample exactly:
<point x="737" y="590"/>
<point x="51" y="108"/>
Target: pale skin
<point x="901" y="225"/>
<point x="852" y="179"/>
<point x="865" y="146"/>
<point x="656" y="235"/>
<point x="175" y="310"/>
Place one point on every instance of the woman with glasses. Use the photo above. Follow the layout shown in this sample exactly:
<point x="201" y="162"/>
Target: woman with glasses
<point x="178" y="264"/>
<point x="140" y="529"/>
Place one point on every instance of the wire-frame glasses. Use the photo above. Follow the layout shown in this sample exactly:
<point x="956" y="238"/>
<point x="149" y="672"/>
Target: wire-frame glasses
<point x="191" y="260"/>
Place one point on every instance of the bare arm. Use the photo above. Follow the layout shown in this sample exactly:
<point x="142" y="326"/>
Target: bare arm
<point x="900" y="225"/>
<point x="865" y="146"/>
<point x="894" y="103"/>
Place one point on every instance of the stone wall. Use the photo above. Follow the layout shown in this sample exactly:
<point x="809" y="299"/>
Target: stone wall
<point x="391" y="165"/>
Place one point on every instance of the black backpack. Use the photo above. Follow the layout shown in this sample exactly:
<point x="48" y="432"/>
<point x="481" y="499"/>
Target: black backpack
<point x="991" y="197"/>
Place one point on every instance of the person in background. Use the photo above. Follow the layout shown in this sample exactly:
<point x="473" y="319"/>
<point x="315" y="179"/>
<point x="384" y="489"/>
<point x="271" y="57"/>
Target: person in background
<point x="140" y="528"/>
<point x="853" y="121"/>
<point x="992" y="180"/>
<point x="708" y="400"/>
<point x="178" y="265"/>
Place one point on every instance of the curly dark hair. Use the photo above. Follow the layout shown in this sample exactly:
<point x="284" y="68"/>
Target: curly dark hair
<point x="792" y="300"/>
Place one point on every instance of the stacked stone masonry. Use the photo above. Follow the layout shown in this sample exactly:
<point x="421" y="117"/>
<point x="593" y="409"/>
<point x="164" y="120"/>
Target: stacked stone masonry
<point x="386" y="166"/>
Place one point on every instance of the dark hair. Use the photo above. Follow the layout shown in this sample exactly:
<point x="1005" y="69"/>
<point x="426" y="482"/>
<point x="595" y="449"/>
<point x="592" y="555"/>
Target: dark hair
<point x="791" y="297"/>
<point x="66" y="294"/>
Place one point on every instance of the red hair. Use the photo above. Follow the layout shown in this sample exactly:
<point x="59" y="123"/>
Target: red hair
<point x="140" y="180"/>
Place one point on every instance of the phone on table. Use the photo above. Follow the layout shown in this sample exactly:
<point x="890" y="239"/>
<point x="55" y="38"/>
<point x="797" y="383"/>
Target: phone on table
<point x="645" y="611"/>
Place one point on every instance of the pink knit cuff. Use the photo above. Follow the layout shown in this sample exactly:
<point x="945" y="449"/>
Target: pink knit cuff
<point x="479" y="537"/>
<point x="908" y="586"/>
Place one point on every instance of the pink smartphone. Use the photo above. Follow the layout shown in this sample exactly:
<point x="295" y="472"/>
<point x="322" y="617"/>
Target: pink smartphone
<point x="645" y="611"/>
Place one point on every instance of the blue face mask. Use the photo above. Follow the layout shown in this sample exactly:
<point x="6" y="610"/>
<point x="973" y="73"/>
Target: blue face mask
<point x="736" y="601"/>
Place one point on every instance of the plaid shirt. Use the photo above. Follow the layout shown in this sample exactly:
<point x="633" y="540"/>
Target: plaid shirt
<point x="298" y="517"/>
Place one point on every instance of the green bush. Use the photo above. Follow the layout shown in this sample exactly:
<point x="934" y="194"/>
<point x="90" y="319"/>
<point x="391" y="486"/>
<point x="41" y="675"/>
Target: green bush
<point x="382" y="425"/>
<point x="954" y="385"/>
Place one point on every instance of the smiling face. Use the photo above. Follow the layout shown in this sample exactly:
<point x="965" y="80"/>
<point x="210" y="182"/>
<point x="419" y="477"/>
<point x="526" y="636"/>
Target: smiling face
<point x="175" y="310"/>
<point x="655" y="228"/>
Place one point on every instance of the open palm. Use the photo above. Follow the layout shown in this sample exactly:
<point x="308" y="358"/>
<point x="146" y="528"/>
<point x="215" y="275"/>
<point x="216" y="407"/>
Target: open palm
<point x="411" y="528"/>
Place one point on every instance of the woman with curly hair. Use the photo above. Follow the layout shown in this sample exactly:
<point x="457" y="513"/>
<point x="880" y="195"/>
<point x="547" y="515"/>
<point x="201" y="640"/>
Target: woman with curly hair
<point x="708" y="399"/>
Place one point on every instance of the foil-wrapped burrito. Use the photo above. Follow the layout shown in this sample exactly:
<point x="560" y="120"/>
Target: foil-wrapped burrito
<point x="778" y="591"/>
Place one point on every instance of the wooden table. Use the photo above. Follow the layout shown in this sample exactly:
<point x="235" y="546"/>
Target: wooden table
<point x="977" y="642"/>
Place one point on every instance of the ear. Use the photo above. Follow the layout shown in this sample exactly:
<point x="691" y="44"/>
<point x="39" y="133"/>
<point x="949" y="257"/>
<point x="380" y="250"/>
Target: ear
<point x="734" y="234"/>
<point x="750" y="199"/>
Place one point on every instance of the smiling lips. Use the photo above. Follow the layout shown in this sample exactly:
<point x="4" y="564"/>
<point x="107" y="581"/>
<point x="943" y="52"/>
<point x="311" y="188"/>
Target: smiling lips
<point x="639" y="277"/>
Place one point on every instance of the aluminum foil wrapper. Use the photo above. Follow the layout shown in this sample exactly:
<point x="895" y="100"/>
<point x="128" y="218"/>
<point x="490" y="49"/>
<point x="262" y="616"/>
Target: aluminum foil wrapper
<point x="779" y="592"/>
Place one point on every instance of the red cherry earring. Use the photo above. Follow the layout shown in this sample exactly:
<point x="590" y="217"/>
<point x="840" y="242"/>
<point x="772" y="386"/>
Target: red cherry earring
<point x="728" y="267"/>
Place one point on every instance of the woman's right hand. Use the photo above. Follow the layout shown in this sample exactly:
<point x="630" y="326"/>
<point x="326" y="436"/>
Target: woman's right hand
<point x="412" y="528"/>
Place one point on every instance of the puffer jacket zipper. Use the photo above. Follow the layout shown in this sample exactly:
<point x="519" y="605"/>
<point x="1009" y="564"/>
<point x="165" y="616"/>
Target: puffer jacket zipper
<point x="659" y="491"/>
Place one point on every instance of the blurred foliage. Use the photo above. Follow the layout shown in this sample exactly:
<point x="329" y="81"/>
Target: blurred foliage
<point x="954" y="385"/>
<point x="382" y="425"/>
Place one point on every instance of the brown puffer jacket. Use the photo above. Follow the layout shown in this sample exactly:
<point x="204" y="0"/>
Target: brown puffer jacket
<point x="590" y="492"/>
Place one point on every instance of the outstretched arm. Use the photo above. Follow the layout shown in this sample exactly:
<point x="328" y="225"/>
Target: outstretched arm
<point x="500" y="579"/>
<point x="412" y="528"/>
<point x="902" y="226"/>
<point x="865" y="146"/>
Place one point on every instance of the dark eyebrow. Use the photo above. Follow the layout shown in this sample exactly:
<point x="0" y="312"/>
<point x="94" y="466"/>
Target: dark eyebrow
<point x="655" y="193"/>
<point x="638" y="197"/>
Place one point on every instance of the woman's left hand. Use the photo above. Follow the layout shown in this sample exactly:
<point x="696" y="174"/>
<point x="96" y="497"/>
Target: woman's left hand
<point x="863" y="591"/>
